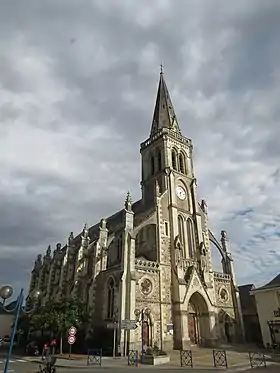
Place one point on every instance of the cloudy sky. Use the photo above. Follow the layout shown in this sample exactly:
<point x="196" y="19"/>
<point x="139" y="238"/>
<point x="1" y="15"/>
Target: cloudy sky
<point x="78" y="81"/>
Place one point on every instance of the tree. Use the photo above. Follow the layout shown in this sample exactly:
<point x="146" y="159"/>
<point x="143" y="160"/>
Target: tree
<point x="58" y="317"/>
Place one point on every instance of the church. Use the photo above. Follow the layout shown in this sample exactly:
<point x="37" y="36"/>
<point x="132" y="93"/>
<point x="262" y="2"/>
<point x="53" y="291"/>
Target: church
<point x="151" y="261"/>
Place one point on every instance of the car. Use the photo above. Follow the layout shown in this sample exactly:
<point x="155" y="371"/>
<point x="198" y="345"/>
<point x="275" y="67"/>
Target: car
<point x="5" y="342"/>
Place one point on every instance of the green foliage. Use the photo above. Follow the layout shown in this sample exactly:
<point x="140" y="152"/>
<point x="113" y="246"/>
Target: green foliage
<point x="60" y="316"/>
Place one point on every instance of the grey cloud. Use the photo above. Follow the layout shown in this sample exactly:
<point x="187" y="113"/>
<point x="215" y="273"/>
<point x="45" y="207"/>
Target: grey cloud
<point x="93" y="88"/>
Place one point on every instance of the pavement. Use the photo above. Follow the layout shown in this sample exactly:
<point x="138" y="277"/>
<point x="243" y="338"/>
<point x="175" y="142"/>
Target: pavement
<point x="202" y="363"/>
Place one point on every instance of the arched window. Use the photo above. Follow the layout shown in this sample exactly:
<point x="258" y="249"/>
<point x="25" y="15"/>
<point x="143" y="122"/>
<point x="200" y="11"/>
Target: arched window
<point x="190" y="235"/>
<point x="181" y="230"/>
<point x="119" y="248"/>
<point x="174" y="159"/>
<point x="152" y="165"/>
<point x="110" y="298"/>
<point x="159" y="160"/>
<point x="182" y="163"/>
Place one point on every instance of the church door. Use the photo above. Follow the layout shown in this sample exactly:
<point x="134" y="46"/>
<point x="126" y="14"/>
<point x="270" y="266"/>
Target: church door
<point x="192" y="324"/>
<point x="227" y="332"/>
<point x="145" y="335"/>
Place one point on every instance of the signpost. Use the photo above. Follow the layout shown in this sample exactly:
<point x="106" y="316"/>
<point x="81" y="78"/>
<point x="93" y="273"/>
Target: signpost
<point x="71" y="338"/>
<point x="114" y="325"/>
<point x="72" y="331"/>
<point x="125" y="325"/>
<point x="129" y="324"/>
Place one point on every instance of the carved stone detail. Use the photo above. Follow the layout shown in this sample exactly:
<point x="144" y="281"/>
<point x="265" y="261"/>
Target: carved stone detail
<point x="195" y="282"/>
<point x="223" y="295"/>
<point x="146" y="286"/>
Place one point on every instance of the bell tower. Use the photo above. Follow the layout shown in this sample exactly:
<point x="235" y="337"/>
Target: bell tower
<point x="168" y="160"/>
<point x="165" y="148"/>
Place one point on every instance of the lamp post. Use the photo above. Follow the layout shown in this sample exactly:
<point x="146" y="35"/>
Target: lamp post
<point x="5" y="293"/>
<point x="141" y="316"/>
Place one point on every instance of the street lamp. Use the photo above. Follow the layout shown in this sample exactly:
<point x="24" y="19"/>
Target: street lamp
<point x="141" y="316"/>
<point x="5" y="293"/>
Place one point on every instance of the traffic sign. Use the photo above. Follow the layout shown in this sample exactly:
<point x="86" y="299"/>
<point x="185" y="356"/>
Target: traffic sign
<point x="113" y="325"/>
<point x="71" y="339"/>
<point x="72" y="331"/>
<point x="129" y="324"/>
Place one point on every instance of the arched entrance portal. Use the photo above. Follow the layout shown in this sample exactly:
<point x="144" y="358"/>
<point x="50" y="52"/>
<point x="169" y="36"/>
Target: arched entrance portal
<point x="227" y="326"/>
<point x="146" y="333"/>
<point x="198" y="320"/>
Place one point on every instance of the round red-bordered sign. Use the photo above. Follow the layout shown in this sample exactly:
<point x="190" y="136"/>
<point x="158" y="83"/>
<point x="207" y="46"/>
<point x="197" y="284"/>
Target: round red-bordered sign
<point x="72" y="331"/>
<point x="71" y="339"/>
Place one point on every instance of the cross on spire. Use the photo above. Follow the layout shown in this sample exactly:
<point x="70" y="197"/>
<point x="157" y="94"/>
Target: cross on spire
<point x="161" y="68"/>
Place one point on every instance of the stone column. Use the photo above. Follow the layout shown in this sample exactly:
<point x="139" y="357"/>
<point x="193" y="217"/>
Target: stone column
<point x="127" y="299"/>
<point x="229" y="269"/>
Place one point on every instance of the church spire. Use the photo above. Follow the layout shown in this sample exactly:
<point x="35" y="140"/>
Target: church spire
<point x="164" y="113"/>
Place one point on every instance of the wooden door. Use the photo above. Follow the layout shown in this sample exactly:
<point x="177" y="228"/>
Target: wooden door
<point x="146" y="336"/>
<point x="192" y="328"/>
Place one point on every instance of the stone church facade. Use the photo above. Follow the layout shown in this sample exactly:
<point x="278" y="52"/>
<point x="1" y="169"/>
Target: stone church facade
<point x="151" y="261"/>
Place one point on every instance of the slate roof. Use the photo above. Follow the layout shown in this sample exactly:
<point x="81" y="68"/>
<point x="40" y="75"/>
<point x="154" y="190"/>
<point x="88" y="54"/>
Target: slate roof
<point x="164" y="113"/>
<point x="272" y="284"/>
<point x="114" y="220"/>
<point x="246" y="299"/>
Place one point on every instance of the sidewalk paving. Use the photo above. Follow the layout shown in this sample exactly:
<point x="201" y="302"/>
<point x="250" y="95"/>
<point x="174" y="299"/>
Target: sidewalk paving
<point x="81" y="362"/>
<point x="202" y="359"/>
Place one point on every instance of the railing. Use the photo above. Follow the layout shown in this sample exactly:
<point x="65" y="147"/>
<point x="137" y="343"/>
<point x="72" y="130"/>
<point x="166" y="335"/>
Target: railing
<point x="169" y="132"/>
<point x="188" y="263"/>
<point x="221" y="276"/>
<point x="146" y="264"/>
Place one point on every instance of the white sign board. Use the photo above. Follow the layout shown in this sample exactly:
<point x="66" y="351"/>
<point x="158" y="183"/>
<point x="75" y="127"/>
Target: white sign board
<point x="128" y="324"/>
<point x="72" y="331"/>
<point x="113" y="325"/>
<point x="71" y="339"/>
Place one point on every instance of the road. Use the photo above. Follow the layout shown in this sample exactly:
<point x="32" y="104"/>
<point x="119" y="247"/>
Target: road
<point x="18" y="365"/>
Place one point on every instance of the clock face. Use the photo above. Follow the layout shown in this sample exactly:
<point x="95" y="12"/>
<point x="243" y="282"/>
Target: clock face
<point x="180" y="192"/>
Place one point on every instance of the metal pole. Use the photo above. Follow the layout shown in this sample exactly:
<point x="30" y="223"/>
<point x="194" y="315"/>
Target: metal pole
<point x="18" y="309"/>
<point x="114" y="342"/>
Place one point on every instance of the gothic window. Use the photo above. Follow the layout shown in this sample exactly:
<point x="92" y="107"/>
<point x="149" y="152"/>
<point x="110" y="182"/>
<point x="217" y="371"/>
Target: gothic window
<point x="190" y="235"/>
<point x="152" y="165"/>
<point x="174" y="159"/>
<point x="119" y="248"/>
<point x="181" y="230"/>
<point x="182" y="163"/>
<point x="141" y="236"/>
<point x="278" y="298"/>
<point x="147" y="233"/>
<point x="159" y="160"/>
<point x="166" y="228"/>
<point x="110" y="298"/>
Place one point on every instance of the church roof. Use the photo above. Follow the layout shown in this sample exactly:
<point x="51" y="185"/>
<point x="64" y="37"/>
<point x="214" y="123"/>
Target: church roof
<point x="115" y="221"/>
<point x="272" y="284"/>
<point x="164" y="113"/>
